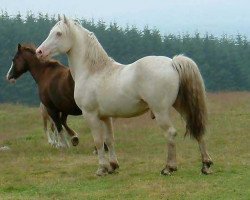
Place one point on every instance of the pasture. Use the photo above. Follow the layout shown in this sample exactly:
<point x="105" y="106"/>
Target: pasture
<point x="34" y="170"/>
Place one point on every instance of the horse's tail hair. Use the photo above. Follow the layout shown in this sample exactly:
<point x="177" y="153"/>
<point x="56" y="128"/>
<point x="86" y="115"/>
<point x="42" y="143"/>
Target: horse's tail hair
<point x="191" y="99"/>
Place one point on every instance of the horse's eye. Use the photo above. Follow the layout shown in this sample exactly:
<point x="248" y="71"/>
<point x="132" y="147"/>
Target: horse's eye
<point x="59" y="33"/>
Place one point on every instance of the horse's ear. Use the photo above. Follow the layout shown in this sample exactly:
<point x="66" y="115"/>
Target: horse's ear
<point x="58" y="17"/>
<point x="19" y="47"/>
<point x="65" y="20"/>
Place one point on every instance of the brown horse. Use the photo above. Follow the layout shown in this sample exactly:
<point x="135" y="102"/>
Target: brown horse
<point x="55" y="86"/>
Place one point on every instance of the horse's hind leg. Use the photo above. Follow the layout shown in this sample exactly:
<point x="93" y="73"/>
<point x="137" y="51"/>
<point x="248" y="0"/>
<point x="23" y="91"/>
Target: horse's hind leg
<point x="206" y="159"/>
<point x="53" y="133"/>
<point x="165" y="123"/>
<point x="45" y="117"/>
<point x="72" y="134"/>
<point x="61" y="139"/>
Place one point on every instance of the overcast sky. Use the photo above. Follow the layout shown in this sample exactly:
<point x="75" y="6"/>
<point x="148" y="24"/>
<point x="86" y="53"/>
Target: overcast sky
<point x="169" y="16"/>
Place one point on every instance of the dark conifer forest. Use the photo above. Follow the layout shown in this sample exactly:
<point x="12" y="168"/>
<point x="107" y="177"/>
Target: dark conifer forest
<point x="224" y="61"/>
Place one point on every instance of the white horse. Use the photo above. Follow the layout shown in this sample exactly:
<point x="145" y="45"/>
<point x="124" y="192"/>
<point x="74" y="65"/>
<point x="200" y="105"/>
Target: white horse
<point x="105" y="89"/>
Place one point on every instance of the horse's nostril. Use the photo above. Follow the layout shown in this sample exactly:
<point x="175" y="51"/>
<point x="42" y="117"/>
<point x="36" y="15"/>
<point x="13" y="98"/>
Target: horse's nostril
<point x="39" y="53"/>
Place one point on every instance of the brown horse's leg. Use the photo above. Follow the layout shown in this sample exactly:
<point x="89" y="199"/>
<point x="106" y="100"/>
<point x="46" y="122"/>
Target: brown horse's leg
<point x="73" y="134"/>
<point x="45" y="117"/>
<point x="55" y="116"/>
<point x="206" y="159"/>
<point x="52" y="125"/>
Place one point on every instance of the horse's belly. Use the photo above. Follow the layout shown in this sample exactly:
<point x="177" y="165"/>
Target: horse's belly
<point x="123" y="108"/>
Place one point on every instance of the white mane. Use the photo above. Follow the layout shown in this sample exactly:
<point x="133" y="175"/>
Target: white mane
<point x="94" y="52"/>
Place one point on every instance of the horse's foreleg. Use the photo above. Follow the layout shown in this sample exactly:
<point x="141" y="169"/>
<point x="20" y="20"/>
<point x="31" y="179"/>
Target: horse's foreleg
<point x="71" y="133"/>
<point x="109" y="141"/>
<point x="206" y="159"/>
<point x="97" y="127"/>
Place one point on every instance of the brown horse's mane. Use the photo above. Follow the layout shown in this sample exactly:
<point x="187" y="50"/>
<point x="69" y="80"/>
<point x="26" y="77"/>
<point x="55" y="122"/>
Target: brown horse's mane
<point x="31" y="48"/>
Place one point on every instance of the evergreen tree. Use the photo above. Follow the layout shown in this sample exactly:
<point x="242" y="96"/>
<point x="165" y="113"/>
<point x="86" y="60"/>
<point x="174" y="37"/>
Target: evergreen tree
<point x="224" y="62"/>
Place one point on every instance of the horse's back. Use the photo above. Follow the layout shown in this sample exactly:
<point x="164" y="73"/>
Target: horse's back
<point x="160" y="64"/>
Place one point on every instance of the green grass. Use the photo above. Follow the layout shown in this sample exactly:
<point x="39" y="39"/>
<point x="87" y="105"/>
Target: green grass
<point x="34" y="170"/>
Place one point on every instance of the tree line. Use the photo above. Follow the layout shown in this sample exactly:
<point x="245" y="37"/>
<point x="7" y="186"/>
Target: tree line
<point x="224" y="61"/>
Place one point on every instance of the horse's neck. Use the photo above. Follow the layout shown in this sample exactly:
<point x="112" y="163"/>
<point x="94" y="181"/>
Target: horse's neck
<point x="82" y="62"/>
<point x="76" y="64"/>
<point x="36" y="69"/>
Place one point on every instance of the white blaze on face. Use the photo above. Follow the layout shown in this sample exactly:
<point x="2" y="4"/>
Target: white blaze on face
<point x="8" y="74"/>
<point x="12" y="80"/>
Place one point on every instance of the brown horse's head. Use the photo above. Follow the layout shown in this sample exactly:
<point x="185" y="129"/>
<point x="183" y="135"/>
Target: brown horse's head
<point x="19" y="63"/>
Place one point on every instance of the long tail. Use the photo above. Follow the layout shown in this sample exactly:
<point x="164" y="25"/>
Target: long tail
<point x="191" y="99"/>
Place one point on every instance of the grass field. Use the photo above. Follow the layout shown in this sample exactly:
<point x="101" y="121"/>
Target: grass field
<point x="34" y="170"/>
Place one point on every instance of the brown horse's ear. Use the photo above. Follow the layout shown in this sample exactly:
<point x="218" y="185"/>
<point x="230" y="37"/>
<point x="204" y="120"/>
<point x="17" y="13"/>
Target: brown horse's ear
<point x="19" y="47"/>
<point x="65" y="20"/>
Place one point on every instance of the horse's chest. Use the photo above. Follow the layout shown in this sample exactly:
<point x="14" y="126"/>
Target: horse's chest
<point x="85" y="97"/>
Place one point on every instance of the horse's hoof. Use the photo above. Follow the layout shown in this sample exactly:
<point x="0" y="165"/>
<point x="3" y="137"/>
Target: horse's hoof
<point x="62" y="145"/>
<point x="114" y="166"/>
<point x="102" y="171"/>
<point x="206" y="168"/>
<point x="206" y="171"/>
<point x="74" y="140"/>
<point x="167" y="171"/>
<point x="208" y="163"/>
<point x="53" y="144"/>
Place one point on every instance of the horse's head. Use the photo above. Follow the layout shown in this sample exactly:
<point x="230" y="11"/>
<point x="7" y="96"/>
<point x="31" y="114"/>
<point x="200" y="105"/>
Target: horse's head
<point x="58" y="41"/>
<point x="19" y="65"/>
